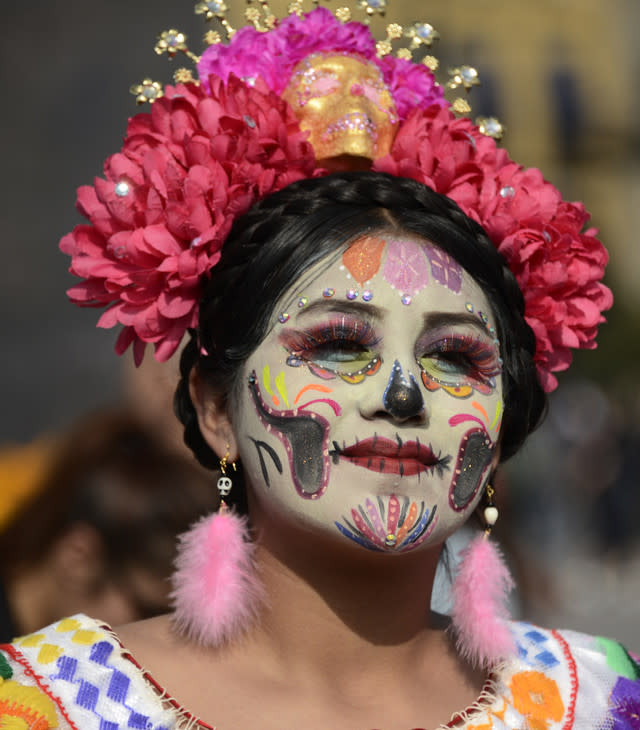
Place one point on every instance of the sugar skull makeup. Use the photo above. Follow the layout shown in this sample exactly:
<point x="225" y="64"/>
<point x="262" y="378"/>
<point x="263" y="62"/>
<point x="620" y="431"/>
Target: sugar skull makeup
<point x="372" y="419"/>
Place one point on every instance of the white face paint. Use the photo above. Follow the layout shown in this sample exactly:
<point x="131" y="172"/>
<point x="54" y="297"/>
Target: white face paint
<point x="371" y="410"/>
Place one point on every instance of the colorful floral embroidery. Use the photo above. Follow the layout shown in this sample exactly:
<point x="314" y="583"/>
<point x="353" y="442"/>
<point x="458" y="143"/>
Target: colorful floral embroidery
<point x="537" y="697"/>
<point x="25" y="708"/>
<point x="625" y="705"/>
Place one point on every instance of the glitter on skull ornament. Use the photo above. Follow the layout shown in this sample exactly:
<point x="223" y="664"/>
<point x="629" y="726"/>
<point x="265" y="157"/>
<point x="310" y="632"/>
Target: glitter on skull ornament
<point x="344" y="104"/>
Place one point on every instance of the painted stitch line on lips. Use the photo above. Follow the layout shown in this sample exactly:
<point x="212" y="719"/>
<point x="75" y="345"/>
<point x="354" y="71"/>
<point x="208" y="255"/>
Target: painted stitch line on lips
<point x="387" y="456"/>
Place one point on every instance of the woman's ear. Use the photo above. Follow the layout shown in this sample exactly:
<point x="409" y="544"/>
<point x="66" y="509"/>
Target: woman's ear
<point x="213" y="418"/>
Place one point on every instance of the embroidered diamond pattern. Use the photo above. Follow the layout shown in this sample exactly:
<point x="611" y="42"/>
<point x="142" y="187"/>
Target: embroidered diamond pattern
<point x="138" y="721"/>
<point x="66" y="668"/>
<point x="100" y="652"/>
<point x="118" y="687"/>
<point x="534" y="650"/>
<point x="87" y="696"/>
<point x="95" y="678"/>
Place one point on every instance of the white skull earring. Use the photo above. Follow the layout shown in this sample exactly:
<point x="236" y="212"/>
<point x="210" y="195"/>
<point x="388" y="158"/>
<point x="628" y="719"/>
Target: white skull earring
<point x="224" y="486"/>
<point x="224" y="482"/>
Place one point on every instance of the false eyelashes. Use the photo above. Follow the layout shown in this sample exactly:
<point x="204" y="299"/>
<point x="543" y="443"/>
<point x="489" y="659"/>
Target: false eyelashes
<point x="338" y="340"/>
<point x="460" y="354"/>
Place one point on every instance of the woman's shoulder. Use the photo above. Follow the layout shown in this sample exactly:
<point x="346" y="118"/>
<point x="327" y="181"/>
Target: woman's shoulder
<point x="564" y="679"/>
<point x="75" y="673"/>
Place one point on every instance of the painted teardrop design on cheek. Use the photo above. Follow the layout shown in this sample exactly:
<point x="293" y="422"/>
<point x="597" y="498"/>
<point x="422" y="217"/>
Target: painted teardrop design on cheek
<point x="474" y="458"/>
<point x="402" y="398"/>
<point x="305" y="436"/>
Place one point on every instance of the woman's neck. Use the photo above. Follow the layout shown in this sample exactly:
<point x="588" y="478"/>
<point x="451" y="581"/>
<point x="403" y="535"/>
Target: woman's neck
<point x="347" y="608"/>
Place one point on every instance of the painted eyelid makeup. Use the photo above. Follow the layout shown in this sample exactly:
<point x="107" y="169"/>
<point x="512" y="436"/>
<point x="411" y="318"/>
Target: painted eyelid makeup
<point x="481" y="353"/>
<point x="349" y="332"/>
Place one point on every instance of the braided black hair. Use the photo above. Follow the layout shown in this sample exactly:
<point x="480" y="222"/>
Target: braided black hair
<point x="281" y="237"/>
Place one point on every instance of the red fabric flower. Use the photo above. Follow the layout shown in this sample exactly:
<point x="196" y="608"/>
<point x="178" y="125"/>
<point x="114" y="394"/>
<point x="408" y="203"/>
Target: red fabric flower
<point x="558" y="264"/>
<point x="168" y="200"/>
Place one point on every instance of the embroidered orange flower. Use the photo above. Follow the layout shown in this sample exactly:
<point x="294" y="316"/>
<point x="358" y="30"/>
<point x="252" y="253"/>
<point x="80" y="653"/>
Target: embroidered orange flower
<point x="25" y="708"/>
<point x="537" y="697"/>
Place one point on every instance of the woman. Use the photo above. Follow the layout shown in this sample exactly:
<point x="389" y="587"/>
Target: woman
<point x="361" y="359"/>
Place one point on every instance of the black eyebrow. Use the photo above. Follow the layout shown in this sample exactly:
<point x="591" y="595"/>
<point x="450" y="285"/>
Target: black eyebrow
<point x="435" y="320"/>
<point x="365" y="310"/>
<point x="432" y="320"/>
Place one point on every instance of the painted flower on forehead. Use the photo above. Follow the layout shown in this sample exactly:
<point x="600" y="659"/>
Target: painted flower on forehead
<point x="168" y="200"/>
<point x="272" y="56"/>
<point x="558" y="263"/>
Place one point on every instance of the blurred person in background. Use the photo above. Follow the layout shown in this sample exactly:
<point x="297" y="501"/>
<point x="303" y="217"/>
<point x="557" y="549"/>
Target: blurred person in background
<point x="98" y="533"/>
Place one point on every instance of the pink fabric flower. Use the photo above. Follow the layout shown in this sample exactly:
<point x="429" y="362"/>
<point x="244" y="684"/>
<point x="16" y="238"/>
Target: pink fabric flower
<point x="558" y="264"/>
<point x="168" y="201"/>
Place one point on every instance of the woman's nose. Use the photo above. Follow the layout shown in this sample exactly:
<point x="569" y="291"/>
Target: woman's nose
<point x="401" y="399"/>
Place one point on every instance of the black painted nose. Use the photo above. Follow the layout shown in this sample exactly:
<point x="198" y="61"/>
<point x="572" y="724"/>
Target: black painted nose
<point x="402" y="398"/>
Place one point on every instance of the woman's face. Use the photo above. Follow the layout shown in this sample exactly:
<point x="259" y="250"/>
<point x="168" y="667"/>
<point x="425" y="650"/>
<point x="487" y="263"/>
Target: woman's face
<point x="371" y="411"/>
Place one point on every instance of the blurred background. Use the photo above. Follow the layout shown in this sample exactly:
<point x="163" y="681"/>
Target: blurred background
<point x="560" y="75"/>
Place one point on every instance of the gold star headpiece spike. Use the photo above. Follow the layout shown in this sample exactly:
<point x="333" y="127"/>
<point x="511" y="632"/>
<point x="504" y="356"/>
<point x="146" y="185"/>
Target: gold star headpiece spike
<point x="373" y="7"/>
<point x="461" y="106"/>
<point x="215" y="9"/>
<point x="422" y="34"/>
<point x="212" y="9"/>
<point x="491" y="127"/>
<point x="211" y="37"/>
<point x="172" y="42"/>
<point x="148" y="90"/>
<point x="465" y="76"/>
<point x="295" y="8"/>
<point x="264" y="22"/>
<point x="431" y="62"/>
<point x="184" y="76"/>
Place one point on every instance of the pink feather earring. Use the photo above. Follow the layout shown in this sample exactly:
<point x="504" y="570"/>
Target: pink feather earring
<point x="480" y="591"/>
<point x="215" y="594"/>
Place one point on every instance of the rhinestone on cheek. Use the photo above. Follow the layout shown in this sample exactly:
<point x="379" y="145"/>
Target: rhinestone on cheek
<point x="284" y="317"/>
<point x="367" y="295"/>
<point x="352" y="294"/>
<point x="302" y="302"/>
<point x="406" y="299"/>
<point x="328" y="292"/>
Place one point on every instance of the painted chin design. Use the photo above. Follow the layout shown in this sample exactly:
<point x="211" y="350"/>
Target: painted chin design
<point x="385" y="456"/>
<point x="401" y="526"/>
<point x="474" y="458"/>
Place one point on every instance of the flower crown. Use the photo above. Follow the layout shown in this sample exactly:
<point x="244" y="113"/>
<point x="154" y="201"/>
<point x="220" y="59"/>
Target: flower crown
<point x="211" y="148"/>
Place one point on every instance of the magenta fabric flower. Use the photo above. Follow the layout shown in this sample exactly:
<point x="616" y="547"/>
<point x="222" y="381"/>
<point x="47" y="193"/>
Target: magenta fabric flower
<point x="168" y="200"/>
<point x="557" y="263"/>
<point x="272" y="56"/>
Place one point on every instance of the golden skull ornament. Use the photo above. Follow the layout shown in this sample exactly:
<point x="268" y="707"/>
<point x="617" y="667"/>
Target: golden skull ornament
<point x="344" y="104"/>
